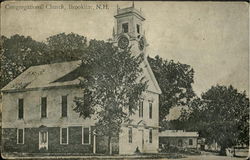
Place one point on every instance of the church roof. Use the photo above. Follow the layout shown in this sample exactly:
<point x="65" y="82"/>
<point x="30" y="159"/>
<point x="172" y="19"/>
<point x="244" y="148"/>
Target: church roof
<point x="61" y="74"/>
<point x="154" y="86"/>
<point x="43" y="76"/>
<point x="130" y="10"/>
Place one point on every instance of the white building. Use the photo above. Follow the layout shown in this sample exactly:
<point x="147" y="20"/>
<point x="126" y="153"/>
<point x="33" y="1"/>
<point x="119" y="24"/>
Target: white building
<point x="179" y="138"/>
<point x="37" y="106"/>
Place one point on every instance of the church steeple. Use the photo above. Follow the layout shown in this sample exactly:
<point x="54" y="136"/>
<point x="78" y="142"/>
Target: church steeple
<point x="129" y="29"/>
<point x="129" y="20"/>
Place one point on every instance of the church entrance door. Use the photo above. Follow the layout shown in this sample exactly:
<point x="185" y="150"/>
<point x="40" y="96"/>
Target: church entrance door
<point x="43" y="140"/>
<point x="142" y="140"/>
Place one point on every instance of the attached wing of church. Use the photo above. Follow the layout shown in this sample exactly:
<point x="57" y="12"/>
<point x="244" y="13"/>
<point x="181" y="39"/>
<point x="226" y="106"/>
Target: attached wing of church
<point x="37" y="105"/>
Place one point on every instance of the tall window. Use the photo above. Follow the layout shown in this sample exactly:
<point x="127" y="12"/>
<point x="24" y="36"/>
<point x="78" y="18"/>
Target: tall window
<point x="20" y="136"/>
<point x="20" y="108"/>
<point x="141" y="109"/>
<point x="64" y="106"/>
<point x="86" y="136"/>
<point x="44" y="107"/>
<point x="150" y="135"/>
<point x="130" y="135"/>
<point x="150" y="110"/>
<point x="64" y="135"/>
<point x="125" y="27"/>
<point x="190" y="142"/>
<point x="138" y="28"/>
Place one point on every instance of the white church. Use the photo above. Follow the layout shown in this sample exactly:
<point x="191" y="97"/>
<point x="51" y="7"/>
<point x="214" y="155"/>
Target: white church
<point x="37" y="105"/>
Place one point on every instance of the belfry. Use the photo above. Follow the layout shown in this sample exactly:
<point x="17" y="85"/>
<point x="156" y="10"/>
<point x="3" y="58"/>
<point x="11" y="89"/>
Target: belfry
<point x="129" y="29"/>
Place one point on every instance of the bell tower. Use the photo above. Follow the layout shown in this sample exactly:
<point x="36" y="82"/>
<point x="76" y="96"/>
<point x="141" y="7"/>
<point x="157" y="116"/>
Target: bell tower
<point x="129" y="29"/>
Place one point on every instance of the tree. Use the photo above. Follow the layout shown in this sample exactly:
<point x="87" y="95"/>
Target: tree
<point x="175" y="81"/>
<point x="222" y="114"/>
<point x="17" y="54"/>
<point x="112" y="86"/>
<point x="190" y="116"/>
<point x="65" y="47"/>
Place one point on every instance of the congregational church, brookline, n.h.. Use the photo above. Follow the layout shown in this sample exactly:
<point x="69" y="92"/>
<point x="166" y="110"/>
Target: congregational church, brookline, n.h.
<point x="37" y="116"/>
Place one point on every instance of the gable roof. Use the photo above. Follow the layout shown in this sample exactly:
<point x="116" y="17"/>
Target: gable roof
<point x="43" y="76"/>
<point x="153" y="86"/>
<point x="62" y="74"/>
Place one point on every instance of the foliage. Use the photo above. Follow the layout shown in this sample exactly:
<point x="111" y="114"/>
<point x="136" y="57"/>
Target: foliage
<point x="175" y="80"/>
<point x="113" y="84"/>
<point x="17" y="54"/>
<point x="65" y="47"/>
<point x="221" y="114"/>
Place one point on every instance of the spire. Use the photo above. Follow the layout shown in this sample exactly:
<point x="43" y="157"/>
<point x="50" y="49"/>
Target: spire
<point x="133" y="4"/>
<point x="117" y="8"/>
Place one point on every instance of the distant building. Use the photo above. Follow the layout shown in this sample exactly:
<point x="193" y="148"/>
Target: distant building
<point x="178" y="138"/>
<point x="37" y="106"/>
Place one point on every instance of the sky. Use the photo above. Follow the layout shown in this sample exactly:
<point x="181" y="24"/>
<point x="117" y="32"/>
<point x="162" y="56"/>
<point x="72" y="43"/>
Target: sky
<point x="212" y="37"/>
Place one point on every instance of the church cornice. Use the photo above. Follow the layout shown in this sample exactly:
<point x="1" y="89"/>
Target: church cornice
<point x="130" y="13"/>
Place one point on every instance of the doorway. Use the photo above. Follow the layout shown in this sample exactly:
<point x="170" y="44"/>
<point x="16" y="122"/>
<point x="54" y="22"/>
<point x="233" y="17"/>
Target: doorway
<point x="142" y="140"/>
<point x="43" y="140"/>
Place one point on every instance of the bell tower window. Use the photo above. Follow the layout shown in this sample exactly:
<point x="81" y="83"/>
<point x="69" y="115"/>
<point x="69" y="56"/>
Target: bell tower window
<point x="125" y="27"/>
<point x="138" y="28"/>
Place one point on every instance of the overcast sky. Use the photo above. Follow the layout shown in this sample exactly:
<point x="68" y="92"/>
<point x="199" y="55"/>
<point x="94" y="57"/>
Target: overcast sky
<point x="212" y="37"/>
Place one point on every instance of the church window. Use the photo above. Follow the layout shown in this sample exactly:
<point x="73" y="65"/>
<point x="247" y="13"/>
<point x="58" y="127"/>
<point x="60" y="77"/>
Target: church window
<point x="64" y="135"/>
<point x="150" y="110"/>
<point x="64" y="106"/>
<point x="141" y="109"/>
<point x="20" y="136"/>
<point x="125" y="27"/>
<point x="130" y="135"/>
<point x="44" y="107"/>
<point x="20" y="108"/>
<point x="138" y="28"/>
<point x="86" y="136"/>
<point x="150" y="136"/>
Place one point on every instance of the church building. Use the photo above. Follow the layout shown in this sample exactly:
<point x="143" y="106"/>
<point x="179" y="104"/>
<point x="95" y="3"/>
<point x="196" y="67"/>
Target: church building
<point x="37" y="112"/>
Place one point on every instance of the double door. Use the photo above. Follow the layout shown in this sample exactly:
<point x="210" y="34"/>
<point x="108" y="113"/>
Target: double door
<point x="43" y="140"/>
